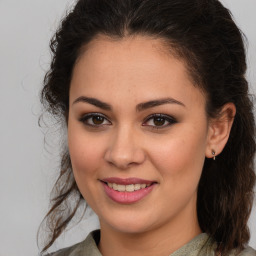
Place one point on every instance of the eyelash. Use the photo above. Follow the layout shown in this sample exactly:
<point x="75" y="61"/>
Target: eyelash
<point x="84" y="119"/>
<point x="166" y="118"/>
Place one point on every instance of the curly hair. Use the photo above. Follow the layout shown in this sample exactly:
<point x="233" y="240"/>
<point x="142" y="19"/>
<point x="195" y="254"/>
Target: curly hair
<point x="204" y="35"/>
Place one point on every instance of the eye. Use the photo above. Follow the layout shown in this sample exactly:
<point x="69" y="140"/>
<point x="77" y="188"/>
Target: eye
<point x="95" y="120"/>
<point x="158" y="121"/>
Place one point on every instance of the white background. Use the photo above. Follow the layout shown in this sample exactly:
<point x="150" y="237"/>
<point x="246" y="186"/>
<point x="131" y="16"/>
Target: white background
<point x="27" y="167"/>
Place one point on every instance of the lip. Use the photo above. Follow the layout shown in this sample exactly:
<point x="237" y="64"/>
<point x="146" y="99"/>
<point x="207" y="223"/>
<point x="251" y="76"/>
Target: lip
<point x="127" y="197"/>
<point x="128" y="181"/>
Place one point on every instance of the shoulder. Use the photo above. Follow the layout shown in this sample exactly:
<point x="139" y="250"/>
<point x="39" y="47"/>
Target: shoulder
<point x="248" y="252"/>
<point x="69" y="251"/>
<point x="88" y="247"/>
<point x="66" y="251"/>
<point x="210" y="247"/>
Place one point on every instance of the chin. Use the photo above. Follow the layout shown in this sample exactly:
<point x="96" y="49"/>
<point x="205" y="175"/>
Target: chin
<point x="131" y="228"/>
<point x="129" y="223"/>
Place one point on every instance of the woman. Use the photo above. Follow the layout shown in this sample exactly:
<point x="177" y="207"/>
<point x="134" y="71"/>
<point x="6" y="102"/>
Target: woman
<point x="160" y="128"/>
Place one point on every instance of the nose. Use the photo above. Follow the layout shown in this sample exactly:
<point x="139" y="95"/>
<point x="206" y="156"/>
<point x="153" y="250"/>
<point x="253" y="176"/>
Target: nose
<point x="125" y="149"/>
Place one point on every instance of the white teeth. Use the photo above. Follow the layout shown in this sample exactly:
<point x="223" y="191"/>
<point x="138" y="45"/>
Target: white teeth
<point x="136" y="186"/>
<point x="121" y="188"/>
<point x="115" y="186"/>
<point x="143" y="185"/>
<point x="127" y="188"/>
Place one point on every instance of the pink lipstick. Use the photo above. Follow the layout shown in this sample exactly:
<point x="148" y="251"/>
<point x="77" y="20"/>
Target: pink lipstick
<point x="127" y="191"/>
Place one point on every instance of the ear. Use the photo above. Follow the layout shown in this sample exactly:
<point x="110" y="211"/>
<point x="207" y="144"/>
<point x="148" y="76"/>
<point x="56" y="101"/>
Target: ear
<point x="219" y="130"/>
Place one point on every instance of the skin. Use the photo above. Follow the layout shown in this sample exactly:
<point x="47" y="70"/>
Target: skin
<point x="126" y="142"/>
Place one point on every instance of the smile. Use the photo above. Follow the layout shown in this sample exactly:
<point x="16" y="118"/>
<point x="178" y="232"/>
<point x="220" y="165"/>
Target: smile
<point x="127" y="191"/>
<point x="127" y="188"/>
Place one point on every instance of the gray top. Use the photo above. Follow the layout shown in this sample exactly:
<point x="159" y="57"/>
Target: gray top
<point x="200" y="245"/>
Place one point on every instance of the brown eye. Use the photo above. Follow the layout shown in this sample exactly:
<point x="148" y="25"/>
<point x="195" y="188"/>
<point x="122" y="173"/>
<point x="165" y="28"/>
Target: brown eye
<point x="159" y="121"/>
<point x="94" y="120"/>
<point x="97" y="120"/>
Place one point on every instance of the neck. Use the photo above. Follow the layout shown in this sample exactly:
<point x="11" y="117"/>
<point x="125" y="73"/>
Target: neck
<point x="154" y="242"/>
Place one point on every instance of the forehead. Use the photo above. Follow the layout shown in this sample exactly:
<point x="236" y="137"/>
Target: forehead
<point x="134" y="66"/>
<point x="106" y="50"/>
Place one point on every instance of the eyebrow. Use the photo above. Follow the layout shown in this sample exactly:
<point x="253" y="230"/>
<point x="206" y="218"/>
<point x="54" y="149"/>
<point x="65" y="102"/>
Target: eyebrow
<point x="139" y="107"/>
<point x="95" y="102"/>
<point x="155" y="103"/>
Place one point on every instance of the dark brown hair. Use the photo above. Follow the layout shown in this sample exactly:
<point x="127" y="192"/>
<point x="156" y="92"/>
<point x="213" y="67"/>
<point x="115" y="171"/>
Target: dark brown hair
<point x="203" y="34"/>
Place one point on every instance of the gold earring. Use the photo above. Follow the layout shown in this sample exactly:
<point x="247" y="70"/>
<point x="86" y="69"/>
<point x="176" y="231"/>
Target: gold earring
<point x="213" y="154"/>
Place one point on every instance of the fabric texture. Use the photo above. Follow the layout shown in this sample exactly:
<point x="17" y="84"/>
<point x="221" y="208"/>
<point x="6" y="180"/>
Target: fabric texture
<point x="201" y="245"/>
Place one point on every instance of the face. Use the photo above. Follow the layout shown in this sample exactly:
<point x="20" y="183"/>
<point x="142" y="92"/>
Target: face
<point x="137" y="134"/>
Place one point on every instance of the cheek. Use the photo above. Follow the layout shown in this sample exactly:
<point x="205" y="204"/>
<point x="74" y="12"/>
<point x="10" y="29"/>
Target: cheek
<point x="182" y="156"/>
<point x="179" y="162"/>
<point x="85" y="154"/>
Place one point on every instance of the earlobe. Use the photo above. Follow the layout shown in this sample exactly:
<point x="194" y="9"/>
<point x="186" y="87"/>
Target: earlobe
<point x="219" y="130"/>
